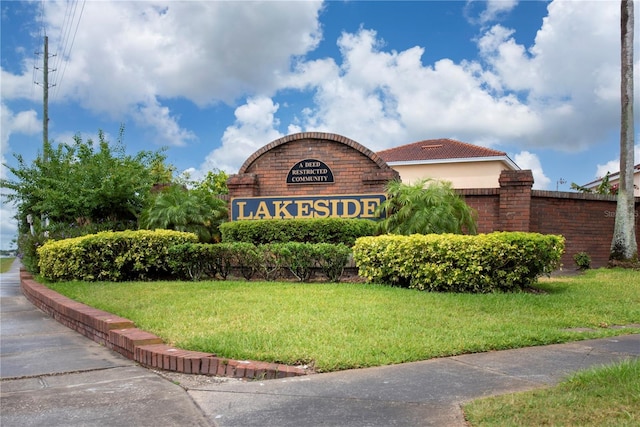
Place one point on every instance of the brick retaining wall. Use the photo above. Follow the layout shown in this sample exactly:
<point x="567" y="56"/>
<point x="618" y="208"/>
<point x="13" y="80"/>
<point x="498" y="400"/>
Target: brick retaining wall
<point x="121" y="335"/>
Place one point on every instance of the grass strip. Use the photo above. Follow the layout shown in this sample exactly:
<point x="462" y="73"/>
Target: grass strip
<point x="604" y="396"/>
<point x="5" y="264"/>
<point x="340" y="326"/>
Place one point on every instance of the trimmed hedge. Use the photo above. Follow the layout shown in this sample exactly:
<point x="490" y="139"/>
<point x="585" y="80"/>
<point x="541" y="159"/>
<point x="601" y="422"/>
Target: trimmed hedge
<point x="111" y="255"/>
<point x="502" y="261"/>
<point x="317" y="230"/>
<point x="198" y="261"/>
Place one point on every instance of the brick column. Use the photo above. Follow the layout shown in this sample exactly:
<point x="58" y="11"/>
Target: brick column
<point x="515" y="200"/>
<point x="243" y="185"/>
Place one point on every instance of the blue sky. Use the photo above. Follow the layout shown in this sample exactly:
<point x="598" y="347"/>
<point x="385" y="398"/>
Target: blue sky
<point x="215" y="81"/>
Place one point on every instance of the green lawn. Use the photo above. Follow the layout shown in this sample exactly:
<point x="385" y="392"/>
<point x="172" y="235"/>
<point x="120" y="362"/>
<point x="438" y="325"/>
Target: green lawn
<point x="340" y="326"/>
<point x="605" y="396"/>
<point x="5" y="264"/>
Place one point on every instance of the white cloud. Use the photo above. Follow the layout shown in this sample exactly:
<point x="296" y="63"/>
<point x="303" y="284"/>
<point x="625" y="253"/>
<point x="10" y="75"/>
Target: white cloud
<point x="527" y="160"/>
<point x="128" y="57"/>
<point x="255" y="127"/>
<point x="24" y="122"/>
<point x="382" y="99"/>
<point x="8" y="227"/>
<point x="201" y="51"/>
<point x="569" y="77"/>
<point x="165" y="125"/>
<point x="493" y="10"/>
<point x="613" y="166"/>
<point x="19" y="86"/>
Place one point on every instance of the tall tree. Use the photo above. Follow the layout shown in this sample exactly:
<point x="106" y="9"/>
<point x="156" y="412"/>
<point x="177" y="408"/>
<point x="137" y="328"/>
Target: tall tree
<point x="623" y="245"/>
<point x="82" y="182"/>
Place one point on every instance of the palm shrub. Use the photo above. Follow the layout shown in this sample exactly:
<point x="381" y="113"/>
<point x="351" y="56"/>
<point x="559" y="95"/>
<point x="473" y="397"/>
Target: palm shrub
<point x="180" y="209"/>
<point x="424" y="207"/>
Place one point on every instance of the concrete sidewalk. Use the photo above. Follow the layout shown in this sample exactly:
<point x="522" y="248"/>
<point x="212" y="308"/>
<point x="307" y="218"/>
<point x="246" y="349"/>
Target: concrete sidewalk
<point x="53" y="376"/>
<point x="425" y="393"/>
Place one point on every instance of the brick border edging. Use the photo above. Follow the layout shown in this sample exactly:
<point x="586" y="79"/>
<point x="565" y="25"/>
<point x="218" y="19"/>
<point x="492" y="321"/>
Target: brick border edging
<point x="121" y="335"/>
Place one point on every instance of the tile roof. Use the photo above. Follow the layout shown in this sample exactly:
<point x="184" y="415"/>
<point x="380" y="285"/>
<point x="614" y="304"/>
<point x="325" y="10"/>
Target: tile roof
<point x="436" y="149"/>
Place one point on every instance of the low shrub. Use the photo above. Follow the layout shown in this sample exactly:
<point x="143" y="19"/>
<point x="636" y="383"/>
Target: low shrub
<point x="318" y="230"/>
<point x="110" y="256"/>
<point x="28" y="243"/>
<point x="192" y="261"/>
<point x="582" y="260"/>
<point x="245" y="257"/>
<point x="299" y="258"/>
<point x="332" y="259"/>
<point x="502" y="261"/>
<point x="197" y="261"/>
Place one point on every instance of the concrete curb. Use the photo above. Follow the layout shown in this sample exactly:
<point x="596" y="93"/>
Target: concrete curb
<point x="121" y="335"/>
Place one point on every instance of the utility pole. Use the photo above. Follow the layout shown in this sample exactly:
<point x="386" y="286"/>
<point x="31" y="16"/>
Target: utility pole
<point x="45" y="97"/>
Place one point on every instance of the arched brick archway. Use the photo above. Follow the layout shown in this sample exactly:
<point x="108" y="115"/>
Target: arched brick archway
<point x="333" y="164"/>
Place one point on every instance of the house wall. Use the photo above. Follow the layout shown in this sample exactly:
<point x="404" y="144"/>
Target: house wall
<point x="462" y="175"/>
<point x="636" y="183"/>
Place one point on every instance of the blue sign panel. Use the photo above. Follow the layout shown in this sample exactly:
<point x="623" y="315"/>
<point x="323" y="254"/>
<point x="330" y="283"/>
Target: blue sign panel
<point x="343" y="206"/>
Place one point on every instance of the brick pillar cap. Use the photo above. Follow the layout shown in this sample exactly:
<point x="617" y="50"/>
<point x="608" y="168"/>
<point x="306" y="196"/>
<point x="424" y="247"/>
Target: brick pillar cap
<point x="513" y="178"/>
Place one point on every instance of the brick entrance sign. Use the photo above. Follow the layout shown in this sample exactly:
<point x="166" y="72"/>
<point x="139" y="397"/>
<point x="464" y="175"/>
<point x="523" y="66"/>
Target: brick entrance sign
<point x="309" y="175"/>
<point x="316" y="175"/>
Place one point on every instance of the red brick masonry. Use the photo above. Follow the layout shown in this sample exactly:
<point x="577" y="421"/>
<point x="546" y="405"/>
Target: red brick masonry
<point x="121" y="335"/>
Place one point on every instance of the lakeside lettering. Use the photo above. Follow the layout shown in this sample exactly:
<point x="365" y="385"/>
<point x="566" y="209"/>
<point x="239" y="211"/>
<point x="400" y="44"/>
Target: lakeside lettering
<point x="306" y="207"/>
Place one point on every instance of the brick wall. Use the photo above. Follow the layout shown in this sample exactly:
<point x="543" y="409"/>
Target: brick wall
<point x="486" y="202"/>
<point x="585" y="220"/>
<point x="356" y="169"/>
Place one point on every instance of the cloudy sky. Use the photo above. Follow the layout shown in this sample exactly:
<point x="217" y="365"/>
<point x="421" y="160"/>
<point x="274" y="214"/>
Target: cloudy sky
<point x="213" y="81"/>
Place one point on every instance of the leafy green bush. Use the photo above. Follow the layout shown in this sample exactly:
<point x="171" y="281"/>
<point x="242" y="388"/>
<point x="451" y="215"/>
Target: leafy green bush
<point x="192" y="261"/>
<point x="28" y="243"/>
<point x="332" y="259"/>
<point x="111" y="256"/>
<point x="319" y="230"/>
<point x="245" y="257"/>
<point x="299" y="258"/>
<point x="582" y="260"/>
<point x="196" y="261"/>
<point x="502" y="261"/>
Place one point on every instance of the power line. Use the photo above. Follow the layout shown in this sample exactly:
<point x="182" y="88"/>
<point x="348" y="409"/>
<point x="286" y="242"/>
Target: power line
<point x="65" y="52"/>
<point x="64" y="55"/>
<point x="36" y="53"/>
